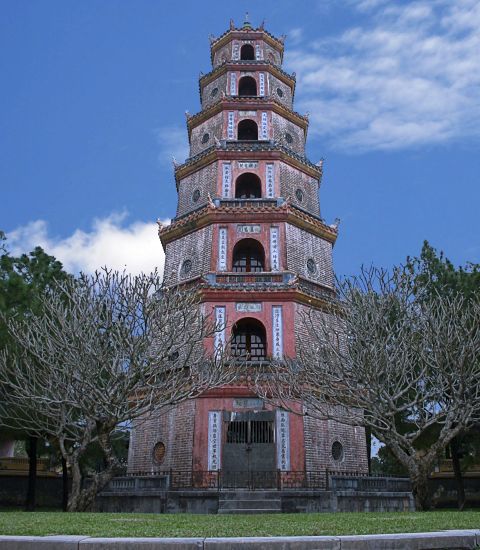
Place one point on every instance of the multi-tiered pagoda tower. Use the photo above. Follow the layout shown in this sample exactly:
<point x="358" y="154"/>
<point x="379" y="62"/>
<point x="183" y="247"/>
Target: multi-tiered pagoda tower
<point x="248" y="230"/>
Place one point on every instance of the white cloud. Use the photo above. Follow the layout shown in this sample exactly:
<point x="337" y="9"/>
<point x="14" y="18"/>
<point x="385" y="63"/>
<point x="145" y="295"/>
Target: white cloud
<point x="295" y="36"/>
<point x="110" y="242"/>
<point x="409" y="76"/>
<point x="173" y="142"/>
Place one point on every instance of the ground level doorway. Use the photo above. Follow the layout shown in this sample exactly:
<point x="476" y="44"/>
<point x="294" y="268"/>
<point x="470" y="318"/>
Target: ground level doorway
<point x="248" y="457"/>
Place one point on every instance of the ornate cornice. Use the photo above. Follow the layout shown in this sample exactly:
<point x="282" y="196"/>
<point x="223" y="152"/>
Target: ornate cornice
<point x="211" y="214"/>
<point x="255" y="65"/>
<point x="256" y="149"/>
<point x="312" y="294"/>
<point x="236" y="102"/>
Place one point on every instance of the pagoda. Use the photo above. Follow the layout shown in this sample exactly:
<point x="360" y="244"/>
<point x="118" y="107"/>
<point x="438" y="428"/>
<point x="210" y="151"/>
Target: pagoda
<point x="248" y="232"/>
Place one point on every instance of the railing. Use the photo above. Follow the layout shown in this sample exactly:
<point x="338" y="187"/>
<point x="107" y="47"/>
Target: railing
<point x="175" y="480"/>
<point x="249" y="278"/>
<point x="250" y="203"/>
<point x="302" y="480"/>
<point x="445" y="465"/>
<point x="365" y="483"/>
<point x="144" y="484"/>
<point x="22" y="464"/>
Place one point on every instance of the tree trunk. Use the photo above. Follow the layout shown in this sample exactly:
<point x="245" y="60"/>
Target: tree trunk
<point x="82" y="500"/>
<point x="457" y="470"/>
<point x="32" y="474"/>
<point x="64" y="485"/>
<point x="74" y="495"/>
<point x="420" y="490"/>
<point x="86" y="498"/>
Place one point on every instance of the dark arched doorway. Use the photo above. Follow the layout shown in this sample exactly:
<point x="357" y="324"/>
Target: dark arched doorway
<point x="248" y="130"/>
<point x="248" y="257"/>
<point x="247" y="86"/>
<point x="248" y="186"/>
<point x="249" y="340"/>
<point x="247" y="52"/>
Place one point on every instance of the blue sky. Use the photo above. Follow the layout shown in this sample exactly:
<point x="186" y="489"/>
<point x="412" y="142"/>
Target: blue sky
<point x="93" y="97"/>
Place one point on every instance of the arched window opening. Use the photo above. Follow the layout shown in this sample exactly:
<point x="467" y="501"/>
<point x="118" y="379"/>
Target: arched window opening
<point x="248" y="257"/>
<point x="248" y="186"/>
<point x="247" y="52"/>
<point x="248" y="130"/>
<point x="247" y="86"/>
<point x="249" y="340"/>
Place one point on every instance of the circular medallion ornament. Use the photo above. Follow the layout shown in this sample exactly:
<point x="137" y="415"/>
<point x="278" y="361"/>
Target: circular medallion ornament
<point x="288" y="137"/>
<point x="311" y="266"/>
<point x="159" y="452"/>
<point x="196" y="195"/>
<point x="337" y="451"/>
<point x="186" y="267"/>
<point x="299" y="195"/>
<point x="279" y="92"/>
<point x="214" y="92"/>
<point x="205" y="137"/>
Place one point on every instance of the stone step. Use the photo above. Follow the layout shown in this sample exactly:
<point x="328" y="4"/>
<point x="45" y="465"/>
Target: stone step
<point x="253" y="504"/>
<point x="251" y="511"/>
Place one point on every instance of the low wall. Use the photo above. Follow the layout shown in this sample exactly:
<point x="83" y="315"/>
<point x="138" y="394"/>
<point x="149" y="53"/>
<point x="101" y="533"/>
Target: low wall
<point x="292" y="501"/>
<point x="13" y="491"/>
<point x="445" y="540"/>
<point x="444" y="491"/>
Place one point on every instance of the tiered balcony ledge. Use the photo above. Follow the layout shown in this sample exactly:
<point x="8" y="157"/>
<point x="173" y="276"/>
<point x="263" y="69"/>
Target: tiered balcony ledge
<point x="256" y="64"/>
<point x="253" y="101"/>
<point x="270" y="281"/>
<point x="229" y="149"/>
<point x="247" y="210"/>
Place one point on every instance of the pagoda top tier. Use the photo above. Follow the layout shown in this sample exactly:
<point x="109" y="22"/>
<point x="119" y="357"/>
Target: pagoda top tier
<point x="246" y="43"/>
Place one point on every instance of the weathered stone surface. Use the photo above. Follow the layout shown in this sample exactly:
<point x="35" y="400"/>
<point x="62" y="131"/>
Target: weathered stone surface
<point x="60" y="542"/>
<point x="143" y="543"/>
<point x="274" y="543"/>
<point x="444" y="540"/>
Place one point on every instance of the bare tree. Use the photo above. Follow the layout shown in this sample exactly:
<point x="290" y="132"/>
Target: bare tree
<point x="106" y="349"/>
<point x="387" y="359"/>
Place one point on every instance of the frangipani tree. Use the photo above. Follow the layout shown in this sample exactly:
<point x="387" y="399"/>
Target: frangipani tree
<point x="107" y="348"/>
<point x="406" y="367"/>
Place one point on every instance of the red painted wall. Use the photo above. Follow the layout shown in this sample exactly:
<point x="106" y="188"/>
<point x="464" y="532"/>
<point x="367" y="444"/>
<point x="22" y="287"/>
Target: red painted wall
<point x="225" y="403"/>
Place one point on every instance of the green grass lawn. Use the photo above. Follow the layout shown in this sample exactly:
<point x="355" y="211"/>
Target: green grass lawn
<point x="188" y="525"/>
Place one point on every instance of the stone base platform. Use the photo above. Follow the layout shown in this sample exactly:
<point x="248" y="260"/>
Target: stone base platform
<point x="223" y="501"/>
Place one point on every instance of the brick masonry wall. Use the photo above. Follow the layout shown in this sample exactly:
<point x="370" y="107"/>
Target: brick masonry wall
<point x="281" y="127"/>
<point x="302" y="246"/>
<point x="274" y="85"/>
<point x="272" y="55"/>
<point x="320" y="434"/>
<point x="208" y="96"/>
<point x="292" y="179"/>
<point x="196" y="247"/>
<point x="210" y="128"/>
<point x="205" y="180"/>
<point x="319" y="437"/>
<point x="174" y="428"/>
<point x="222" y="55"/>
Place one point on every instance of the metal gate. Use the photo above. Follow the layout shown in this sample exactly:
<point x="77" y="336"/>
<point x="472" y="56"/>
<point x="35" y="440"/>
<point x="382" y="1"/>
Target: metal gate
<point x="249" y="450"/>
